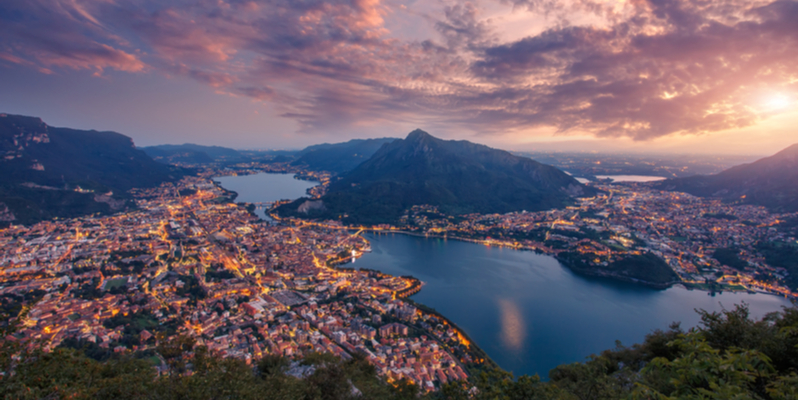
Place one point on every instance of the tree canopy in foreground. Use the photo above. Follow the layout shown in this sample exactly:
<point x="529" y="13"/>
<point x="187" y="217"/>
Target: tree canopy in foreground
<point x="728" y="356"/>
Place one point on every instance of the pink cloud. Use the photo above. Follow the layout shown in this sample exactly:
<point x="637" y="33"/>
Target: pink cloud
<point x="645" y="69"/>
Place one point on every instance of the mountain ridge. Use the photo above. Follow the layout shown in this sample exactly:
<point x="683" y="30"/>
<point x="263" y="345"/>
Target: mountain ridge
<point x="770" y="182"/>
<point x="459" y="176"/>
<point x="50" y="172"/>
<point x="339" y="157"/>
<point x="190" y="153"/>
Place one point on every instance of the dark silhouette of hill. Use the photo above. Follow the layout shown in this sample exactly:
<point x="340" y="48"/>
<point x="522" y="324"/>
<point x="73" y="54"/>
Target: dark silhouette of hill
<point x="770" y="182"/>
<point x="458" y="176"/>
<point x="191" y="153"/>
<point x="647" y="269"/>
<point x="60" y="172"/>
<point x="339" y="157"/>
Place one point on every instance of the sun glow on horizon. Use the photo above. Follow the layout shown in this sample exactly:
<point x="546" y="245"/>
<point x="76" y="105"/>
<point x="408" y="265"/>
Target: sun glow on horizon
<point x="777" y="102"/>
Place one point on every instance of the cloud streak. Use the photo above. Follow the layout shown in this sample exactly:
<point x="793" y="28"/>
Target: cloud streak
<point x="639" y="69"/>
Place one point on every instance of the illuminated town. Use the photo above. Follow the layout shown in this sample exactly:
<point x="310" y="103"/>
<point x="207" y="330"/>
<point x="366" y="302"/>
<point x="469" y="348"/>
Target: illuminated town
<point x="190" y="262"/>
<point x="631" y="219"/>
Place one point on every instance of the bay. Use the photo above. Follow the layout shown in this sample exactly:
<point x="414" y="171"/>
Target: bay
<point x="527" y="311"/>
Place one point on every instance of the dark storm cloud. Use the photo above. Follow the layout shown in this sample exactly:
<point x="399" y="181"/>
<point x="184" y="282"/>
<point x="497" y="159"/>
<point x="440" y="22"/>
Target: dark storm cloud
<point x="648" y="69"/>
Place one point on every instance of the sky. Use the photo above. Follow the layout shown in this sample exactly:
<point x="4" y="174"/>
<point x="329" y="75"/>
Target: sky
<point x="699" y="76"/>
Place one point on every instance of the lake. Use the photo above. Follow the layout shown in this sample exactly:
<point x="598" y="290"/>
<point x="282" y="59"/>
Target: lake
<point x="264" y="187"/>
<point x="525" y="310"/>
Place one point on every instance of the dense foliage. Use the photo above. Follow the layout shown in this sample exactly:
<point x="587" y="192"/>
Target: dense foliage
<point x="730" y="257"/>
<point x="782" y="255"/>
<point x="728" y="356"/>
<point x="645" y="268"/>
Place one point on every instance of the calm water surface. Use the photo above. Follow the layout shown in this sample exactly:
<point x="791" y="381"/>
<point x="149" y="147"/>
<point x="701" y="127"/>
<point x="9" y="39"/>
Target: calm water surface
<point x="263" y="187"/>
<point x="527" y="311"/>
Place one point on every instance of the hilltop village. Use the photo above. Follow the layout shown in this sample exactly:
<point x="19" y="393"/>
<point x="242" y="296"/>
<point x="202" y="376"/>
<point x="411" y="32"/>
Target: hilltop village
<point x="190" y="262"/>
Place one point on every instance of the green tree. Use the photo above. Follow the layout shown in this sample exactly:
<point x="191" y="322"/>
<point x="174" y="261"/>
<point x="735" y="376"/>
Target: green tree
<point x="703" y="372"/>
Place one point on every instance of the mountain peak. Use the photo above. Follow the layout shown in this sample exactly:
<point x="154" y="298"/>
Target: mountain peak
<point x="418" y="135"/>
<point x="458" y="176"/>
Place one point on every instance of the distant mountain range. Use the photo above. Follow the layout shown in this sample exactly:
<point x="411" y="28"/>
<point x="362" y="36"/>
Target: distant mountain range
<point x="339" y="157"/>
<point x="191" y="153"/>
<point x="458" y="176"/>
<point x="50" y="172"/>
<point x="770" y="182"/>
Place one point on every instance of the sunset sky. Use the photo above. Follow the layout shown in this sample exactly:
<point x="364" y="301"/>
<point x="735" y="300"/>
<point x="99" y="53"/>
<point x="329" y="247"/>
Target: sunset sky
<point x="703" y="76"/>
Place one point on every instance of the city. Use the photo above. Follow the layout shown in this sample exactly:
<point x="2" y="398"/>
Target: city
<point x="189" y="262"/>
<point x="399" y="200"/>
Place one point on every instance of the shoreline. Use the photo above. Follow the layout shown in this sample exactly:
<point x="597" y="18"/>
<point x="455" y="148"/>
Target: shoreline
<point x="652" y="285"/>
<point x="405" y="296"/>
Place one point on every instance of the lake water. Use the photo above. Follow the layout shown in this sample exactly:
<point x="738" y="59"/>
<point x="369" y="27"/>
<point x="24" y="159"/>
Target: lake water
<point x="263" y="187"/>
<point x="527" y="311"/>
<point x="631" y="178"/>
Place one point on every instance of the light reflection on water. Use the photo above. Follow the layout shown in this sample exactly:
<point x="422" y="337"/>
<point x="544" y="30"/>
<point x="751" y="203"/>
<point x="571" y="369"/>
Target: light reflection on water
<point x="512" y="325"/>
<point x="527" y="311"/>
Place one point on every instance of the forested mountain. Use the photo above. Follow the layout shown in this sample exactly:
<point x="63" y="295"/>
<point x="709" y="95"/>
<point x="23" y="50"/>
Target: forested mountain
<point x="60" y="172"/>
<point x="770" y="182"/>
<point x="458" y="176"/>
<point x="191" y="153"/>
<point x="339" y="157"/>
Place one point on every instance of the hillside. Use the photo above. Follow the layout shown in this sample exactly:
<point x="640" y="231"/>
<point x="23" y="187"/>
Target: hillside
<point x="722" y="353"/>
<point x="339" y="157"/>
<point x="60" y="172"/>
<point x="458" y="176"/>
<point x="647" y="269"/>
<point x="770" y="182"/>
<point x="191" y="153"/>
